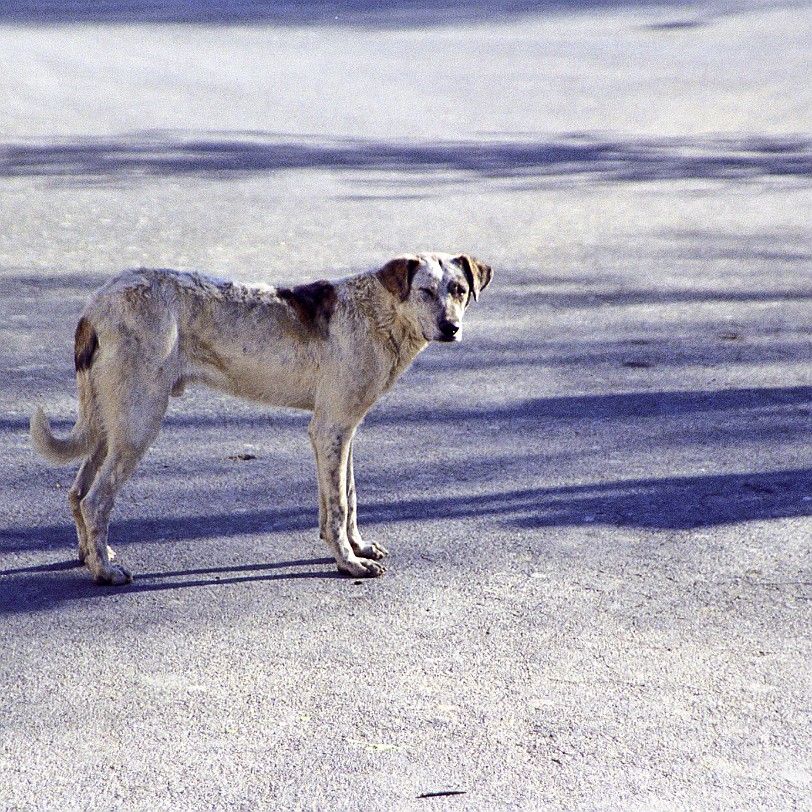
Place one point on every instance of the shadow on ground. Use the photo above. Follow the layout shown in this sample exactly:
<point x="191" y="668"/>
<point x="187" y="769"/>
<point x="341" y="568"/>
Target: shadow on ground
<point x="234" y="154"/>
<point x="373" y="13"/>
<point x="670" y="503"/>
<point x="36" y="588"/>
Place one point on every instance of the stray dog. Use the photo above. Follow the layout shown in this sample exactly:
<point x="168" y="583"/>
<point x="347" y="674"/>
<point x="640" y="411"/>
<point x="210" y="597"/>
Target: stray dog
<point x="332" y="348"/>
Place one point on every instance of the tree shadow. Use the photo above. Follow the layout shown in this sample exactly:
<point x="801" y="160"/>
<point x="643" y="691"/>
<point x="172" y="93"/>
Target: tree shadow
<point x="627" y="405"/>
<point x="367" y="13"/>
<point x="667" y="503"/>
<point x="642" y="354"/>
<point x="517" y="413"/>
<point x="22" y="285"/>
<point x="233" y="155"/>
<point x="166" y="529"/>
<point x="788" y="407"/>
<point x="630" y="297"/>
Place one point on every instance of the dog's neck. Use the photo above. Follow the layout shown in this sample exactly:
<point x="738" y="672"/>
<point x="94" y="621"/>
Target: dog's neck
<point x="402" y="339"/>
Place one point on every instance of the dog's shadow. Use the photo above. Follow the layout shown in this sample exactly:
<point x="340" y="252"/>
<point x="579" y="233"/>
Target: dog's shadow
<point x="219" y="576"/>
<point x="36" y="588"/>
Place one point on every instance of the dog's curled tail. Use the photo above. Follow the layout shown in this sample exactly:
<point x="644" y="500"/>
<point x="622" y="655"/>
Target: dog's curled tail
<point x="78" y="443"/>
<point x="57" y="449"/>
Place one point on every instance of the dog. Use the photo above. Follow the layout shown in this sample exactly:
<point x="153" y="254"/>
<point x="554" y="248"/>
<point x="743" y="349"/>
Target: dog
<point x="332" y="348"/>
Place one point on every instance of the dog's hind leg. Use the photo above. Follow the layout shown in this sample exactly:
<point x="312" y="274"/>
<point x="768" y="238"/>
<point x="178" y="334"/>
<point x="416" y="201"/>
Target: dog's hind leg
<point x="132" y="418"/>
<point x="82" y="483"/>
<point x="96" y="508"/>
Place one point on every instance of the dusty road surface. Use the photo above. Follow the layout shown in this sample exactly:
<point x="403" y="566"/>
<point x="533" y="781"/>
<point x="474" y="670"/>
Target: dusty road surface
<point x="598" y="505"/>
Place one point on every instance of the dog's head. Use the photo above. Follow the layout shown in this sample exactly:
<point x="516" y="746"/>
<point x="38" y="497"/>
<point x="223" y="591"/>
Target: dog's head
<point x="436" y="289"/>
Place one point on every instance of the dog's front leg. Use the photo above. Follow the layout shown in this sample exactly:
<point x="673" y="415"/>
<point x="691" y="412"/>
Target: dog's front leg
<point x="332" y="445"/>
<point x="360" y="548"/>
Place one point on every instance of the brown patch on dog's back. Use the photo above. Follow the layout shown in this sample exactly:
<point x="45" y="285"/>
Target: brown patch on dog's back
<point x="313" y="303"/>
<point x="85" y="345"/>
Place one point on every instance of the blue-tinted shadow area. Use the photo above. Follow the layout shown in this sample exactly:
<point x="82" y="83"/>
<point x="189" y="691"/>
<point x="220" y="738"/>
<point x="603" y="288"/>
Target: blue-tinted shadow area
<point x="669" y="503"/>
<point x="588" y="158"/>
<point x="378" y="13"/>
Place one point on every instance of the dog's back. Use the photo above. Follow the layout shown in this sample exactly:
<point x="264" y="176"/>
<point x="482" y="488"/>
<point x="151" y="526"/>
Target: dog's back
<point x="252" y="341"/>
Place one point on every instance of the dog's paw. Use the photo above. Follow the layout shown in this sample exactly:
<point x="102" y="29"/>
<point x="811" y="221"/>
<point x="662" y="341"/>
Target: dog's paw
<point x="114" y="575"/>
<point x="371" y="550"/>
<point x="361" y="568"/>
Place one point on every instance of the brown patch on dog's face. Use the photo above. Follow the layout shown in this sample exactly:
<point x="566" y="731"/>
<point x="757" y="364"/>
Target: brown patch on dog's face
<point x="397" y="275"/>
<point x="477" y="273"/>
<point x="313" y="303"/>
<point x="85" y="345"/>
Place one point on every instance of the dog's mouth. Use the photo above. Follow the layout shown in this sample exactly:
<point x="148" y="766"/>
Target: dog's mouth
<point x="448" y="331"/>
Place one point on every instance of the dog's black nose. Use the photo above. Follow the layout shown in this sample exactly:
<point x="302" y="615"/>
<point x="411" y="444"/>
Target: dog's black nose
<point x="448" y="329"/>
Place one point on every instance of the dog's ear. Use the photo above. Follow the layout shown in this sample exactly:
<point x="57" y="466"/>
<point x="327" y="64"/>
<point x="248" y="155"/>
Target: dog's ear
<point x="397" y="275"/>
<point x="477" y="273"/>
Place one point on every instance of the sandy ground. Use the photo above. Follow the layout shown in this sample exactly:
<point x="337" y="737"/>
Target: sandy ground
<point x="598" y="506"/>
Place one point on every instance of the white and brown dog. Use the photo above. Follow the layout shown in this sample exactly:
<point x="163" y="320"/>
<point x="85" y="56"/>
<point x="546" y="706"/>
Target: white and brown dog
<point x="329" y="347"/>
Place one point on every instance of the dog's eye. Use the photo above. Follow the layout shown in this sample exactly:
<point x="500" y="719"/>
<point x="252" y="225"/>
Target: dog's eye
<point x="428" y="293"/>
<point x="456" y="290"/>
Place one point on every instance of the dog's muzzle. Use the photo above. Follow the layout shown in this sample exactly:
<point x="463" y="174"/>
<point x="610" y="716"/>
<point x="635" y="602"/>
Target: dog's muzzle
<point x="448" y="330"/>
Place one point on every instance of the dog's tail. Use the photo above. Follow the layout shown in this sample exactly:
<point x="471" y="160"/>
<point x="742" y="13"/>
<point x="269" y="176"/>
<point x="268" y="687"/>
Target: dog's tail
<point x="58" y="449"/>
<point x="79" y="443"/>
